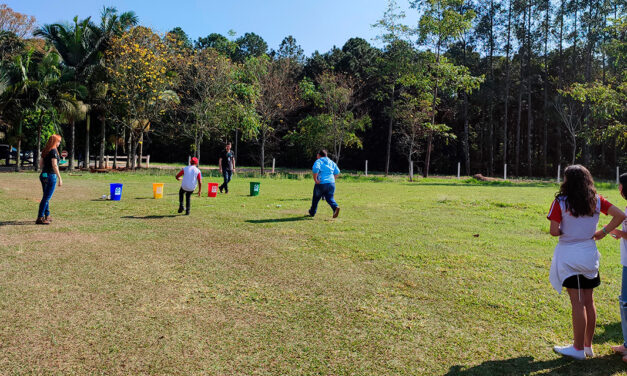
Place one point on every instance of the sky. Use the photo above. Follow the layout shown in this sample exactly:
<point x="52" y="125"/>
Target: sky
<point x="316" y="25"/>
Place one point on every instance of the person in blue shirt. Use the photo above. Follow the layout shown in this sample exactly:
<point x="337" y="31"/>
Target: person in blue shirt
<point x="324" y="173"/>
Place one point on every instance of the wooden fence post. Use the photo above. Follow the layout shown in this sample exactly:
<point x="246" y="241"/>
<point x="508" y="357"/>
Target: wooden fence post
<point x="366" y="171"/>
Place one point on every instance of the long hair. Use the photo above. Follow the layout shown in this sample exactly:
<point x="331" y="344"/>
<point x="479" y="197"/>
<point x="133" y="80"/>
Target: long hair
<point x="52" y="141"/>
<point x="578" y="191"/>
<point x="623" y="181"/>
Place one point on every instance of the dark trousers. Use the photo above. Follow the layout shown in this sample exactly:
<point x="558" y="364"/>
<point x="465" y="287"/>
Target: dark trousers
<point x="188" y="196"/>
<point x="325" y="191"/>
<point x="48" y="183"/>
<point x="227" y="175"/>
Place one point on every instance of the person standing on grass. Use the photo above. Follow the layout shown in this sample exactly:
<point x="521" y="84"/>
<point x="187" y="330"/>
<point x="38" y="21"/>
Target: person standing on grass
<point x="622" y="236"/>
<point x="49" y="177"/>
<point x="190" y="175"/>
<point x="324" y="173"/>
<point x="226" y="163"/>
<point x="574" y="217"/>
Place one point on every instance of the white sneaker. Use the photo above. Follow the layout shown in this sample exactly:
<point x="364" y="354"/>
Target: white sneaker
<point x="589" y="352"/>
<point x="570" y="351"/>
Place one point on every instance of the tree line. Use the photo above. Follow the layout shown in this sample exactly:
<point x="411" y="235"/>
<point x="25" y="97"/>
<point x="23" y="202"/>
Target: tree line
<point x="527" y="83"/>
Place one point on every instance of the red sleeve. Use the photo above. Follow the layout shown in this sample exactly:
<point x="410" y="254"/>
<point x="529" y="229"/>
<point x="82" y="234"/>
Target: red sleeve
<point x="179" y="174"/>
<point x="555" y="213"/>
<point x="605" y="205"/>
<point x="199" y="177"/>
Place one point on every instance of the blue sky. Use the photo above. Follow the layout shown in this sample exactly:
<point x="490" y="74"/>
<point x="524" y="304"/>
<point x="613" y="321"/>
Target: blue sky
<point x="316" y="25"/>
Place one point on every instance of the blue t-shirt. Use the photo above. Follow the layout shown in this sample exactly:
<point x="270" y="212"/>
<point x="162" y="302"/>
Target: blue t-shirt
<point x="325" y="168"/>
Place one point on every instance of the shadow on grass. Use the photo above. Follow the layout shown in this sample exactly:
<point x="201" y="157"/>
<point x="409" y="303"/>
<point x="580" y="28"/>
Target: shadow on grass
<point x="16" y="223"/>
<point x="151" y="216"/>
<point x="525" y="365"/>
<point x="279" y="220"/>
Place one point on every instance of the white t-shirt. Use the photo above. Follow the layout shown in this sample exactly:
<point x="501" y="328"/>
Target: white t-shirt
<point x="191" y="175"/>
<point x="623" y="244"/>
<point x="576" y="252"/>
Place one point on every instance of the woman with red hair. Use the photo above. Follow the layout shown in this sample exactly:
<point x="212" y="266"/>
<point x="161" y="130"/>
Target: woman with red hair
<point x="49" y="176"/>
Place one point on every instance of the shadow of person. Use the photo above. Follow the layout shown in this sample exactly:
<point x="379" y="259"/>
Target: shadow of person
<point x="16" y="223"/>
<point x="526" y="365"/>
<point x="279" y="220"/>
<point x="151" y="216"/>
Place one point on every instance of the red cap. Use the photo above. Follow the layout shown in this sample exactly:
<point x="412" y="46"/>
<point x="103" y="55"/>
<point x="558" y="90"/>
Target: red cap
<point x="194" y="160"/>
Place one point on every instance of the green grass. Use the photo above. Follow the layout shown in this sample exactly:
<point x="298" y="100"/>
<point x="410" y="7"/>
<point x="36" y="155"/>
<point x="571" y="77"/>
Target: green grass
<point x="432" y="277"/>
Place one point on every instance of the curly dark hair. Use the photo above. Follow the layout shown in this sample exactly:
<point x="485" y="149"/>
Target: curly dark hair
<point x="578" y="190"/>
<point x="623" y="181"/>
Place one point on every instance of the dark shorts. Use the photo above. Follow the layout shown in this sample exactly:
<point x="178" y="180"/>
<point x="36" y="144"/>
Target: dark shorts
<point x="583" y="283"/>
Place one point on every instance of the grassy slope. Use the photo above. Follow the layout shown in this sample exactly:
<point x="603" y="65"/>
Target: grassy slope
<point x="399" y="284"/>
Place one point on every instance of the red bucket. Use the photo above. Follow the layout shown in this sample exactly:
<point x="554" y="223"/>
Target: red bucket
<point x="212" y="189"/>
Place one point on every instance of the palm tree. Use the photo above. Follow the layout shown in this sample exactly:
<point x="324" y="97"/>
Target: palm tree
<point x="28" y="86"/>
<point x="81" y="46"/>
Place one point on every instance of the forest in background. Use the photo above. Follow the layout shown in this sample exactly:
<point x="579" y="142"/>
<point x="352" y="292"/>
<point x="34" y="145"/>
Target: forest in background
<point x="530" y="83"/>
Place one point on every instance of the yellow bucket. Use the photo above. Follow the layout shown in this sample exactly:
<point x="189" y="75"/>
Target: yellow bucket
<point x="157" y="190"/>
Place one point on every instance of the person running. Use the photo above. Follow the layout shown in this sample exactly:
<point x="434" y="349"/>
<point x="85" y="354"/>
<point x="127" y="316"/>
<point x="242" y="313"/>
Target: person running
<point x="49" y="177"/>
<point x="622" y="236"/>
<point x="191" y="176"/>
<point x="324" y="173"/>
<point x="226" y="162"/>
<point x="574" y="217"/>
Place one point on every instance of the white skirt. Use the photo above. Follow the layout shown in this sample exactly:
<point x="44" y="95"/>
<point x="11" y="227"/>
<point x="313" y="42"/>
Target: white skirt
<point x="572" y="259"/>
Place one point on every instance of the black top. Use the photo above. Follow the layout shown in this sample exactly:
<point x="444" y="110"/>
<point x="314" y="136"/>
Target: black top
<point x="48" y="161"/>
<point x="227" y="160"/>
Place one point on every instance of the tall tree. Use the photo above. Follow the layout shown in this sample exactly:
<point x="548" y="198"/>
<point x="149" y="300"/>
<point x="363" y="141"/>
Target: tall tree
<point x="392" y="65"/>
<point x="440" y="23"/>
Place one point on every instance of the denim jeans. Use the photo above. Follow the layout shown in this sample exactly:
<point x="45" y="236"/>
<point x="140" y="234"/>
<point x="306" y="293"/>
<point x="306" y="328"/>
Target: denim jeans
<point x="226" y="174"/>
<point x="323" y="190"/>
<point x="188" y="196"/>
<point x="48" y="183"/>
<point x="622" y="299"/>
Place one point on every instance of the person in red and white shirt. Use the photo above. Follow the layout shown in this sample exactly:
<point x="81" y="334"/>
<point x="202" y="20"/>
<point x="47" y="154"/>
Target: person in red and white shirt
<point x="622" y="236"/>
<point x="574" y="217"/>
<point x="191" y="177"/>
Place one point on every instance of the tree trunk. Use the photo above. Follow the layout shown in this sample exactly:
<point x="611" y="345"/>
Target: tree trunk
<point x="529" y="103"/>
<point x="87" y="126"/>
<point x="491" y="89"/>
<point x="466" y="137"/>
<point x="72" y="135"/>
<point x="390" y="127"/>
<point x="517" y="150"/>
<point x="18" y="158"/>
<point x="545" y="126"/>
<point x="141" y="150"/>
<point x="129" y="150"/>
<point x="38" y="154"/>
<point x="263" y="151"/>
<point x="102" y="141"/>
<point x="235" y="148"/>
<point x="507" y="83"/>
<point x="115" y="148"/>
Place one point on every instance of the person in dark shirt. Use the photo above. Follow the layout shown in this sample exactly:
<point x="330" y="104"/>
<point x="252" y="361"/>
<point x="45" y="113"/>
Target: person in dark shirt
<point x="226" y="162"/>
<point x="49" y="177"/>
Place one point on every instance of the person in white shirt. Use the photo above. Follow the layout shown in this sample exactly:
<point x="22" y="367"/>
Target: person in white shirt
<point x="622" y="236"/>
<point x="191" y="177"/>
<point x="574" y="217"/>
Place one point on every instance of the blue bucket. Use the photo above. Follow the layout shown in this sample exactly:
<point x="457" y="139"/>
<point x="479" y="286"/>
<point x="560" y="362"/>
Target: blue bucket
<point x="115" y="191"/>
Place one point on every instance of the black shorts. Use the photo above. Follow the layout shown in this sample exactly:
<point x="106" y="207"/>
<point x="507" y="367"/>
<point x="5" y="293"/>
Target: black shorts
<point x="572" y="282"/>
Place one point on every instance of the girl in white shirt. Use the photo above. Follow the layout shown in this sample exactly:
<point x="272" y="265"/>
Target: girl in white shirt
<point x="574" y="218"/>
<point x="622" y="236"/>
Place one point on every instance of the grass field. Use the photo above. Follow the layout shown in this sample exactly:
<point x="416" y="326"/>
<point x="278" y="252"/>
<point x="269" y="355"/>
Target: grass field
<point x="427" y="278"/>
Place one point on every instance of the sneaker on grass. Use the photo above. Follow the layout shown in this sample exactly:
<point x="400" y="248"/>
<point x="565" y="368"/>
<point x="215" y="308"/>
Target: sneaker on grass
<point x="570" y="351"/>
<point x="589" y="352"/>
